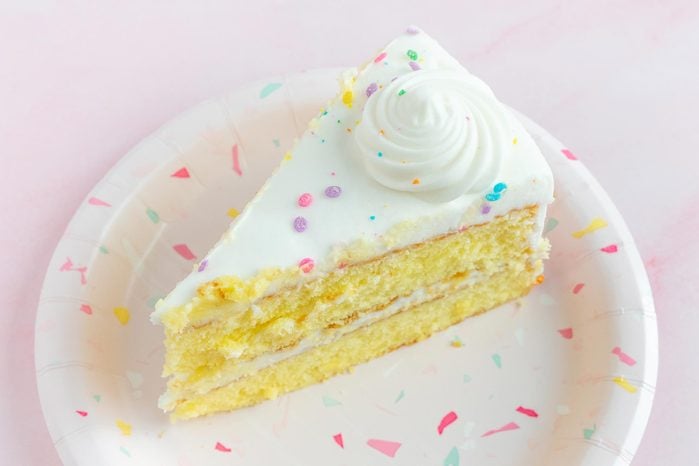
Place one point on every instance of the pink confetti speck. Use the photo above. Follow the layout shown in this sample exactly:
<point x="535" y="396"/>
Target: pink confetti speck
<point x="527" y="411"/>
<point x="181" y="173"/>
<point x="306" y="264"/>
<point x="623" y="357"/>
<point x="236" y="161"/>
<point x="569" y="155"/>
<point x="338" y="439"/>
<point x="86" y="309"/>
<point x="68" y="267"/>
<point x="611" y="249"/>
<point x="98" y="202"/>
<point x="446" y="421"/>
<point x="184" y="251"/>
<point x="505" y="428"/>
<point x="577" y="288"/>
<point x="305" y="199"/>
<point x="221" y="447"/>
<point x="202" y="265"/>
<point x="566" y="333"/>
<point x="81" y="413"/>
<point x="386" y="447"/>
<point x="381" y="56"/>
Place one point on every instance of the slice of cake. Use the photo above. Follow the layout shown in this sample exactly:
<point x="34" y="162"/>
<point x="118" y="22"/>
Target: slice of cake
<point x="413" y="200"/>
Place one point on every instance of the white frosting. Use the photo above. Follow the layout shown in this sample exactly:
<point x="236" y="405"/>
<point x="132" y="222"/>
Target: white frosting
<point x="434" y="130"/>
<point x="493" y="148"/>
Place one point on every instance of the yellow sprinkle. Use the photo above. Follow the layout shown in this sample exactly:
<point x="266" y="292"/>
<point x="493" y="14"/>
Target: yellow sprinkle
<point x="356" y="122"/>
<point x="347" y="98"/>
<point x="233" y="212"/>
<point x="124" y="427"/>
<point x="623" y="383"/>
<point x="381" y="132"/>
<point x="349" y="130"/>
<point x="122" y="315"/>
<point x="514" y="141"/>
<point x="595" y="224"/>
<point x="456" y="343"/>
<point x="287" y="156"/>
<point x="416" y="181"/>
<point x="540" y="279"/>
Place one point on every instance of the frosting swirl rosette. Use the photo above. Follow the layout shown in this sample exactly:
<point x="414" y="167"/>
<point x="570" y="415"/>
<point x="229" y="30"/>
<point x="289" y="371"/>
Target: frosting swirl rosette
<point x="438" y="131"/>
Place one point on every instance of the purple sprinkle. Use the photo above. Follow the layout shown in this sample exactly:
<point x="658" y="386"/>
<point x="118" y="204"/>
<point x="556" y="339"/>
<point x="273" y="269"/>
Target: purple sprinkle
<point x="203" y="265"/>
<point x="412" y="30"/>
<point x="414" y="66"/>
<point x="371" y="89"/>
<point x="333" y="191"/>
<point x="300" y="224"/>
<point x="485" y="209"/>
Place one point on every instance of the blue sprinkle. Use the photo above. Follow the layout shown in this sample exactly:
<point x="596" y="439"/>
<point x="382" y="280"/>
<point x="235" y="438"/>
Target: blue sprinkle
<point x="500" y="187"/>
<point x="492" y="197"/>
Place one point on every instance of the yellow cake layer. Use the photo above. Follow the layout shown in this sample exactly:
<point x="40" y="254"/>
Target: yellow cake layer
<point x="364" y="344"/>
<point x="280" y="321"/>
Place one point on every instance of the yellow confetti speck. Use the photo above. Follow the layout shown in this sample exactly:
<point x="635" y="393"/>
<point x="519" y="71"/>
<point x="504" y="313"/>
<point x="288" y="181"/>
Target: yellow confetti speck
<point x="540" y="279"/>
<point x="347" y="98"/>
<point x="595" y="224"/>
<point x="456" y="343"/>
<point x="233" y="212"/>
<point x="623" y="383"/>
<point x="287" y="156"/>
<point x="122" y="314"/>
<point x="416" y="181"/>
<point x="514" y="141"/>
<point x="124" y="427"/>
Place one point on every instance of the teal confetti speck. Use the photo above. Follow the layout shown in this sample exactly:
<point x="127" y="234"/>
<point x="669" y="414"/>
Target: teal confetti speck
<point x="551" y="223"/>
<point x="380" y="154"/>
<point x="329" y="402"/>
<point x="275" y="142"/>
<point x="104" y="250"/>
<point x="401" y="92"/>
<point x="125" y="451"/>
<point x="587" y="433"/>
<point x="500" y="187"/>
<point x="467" y="378"/>
<point x="153" y="215"/>
<point x="372" y="217"/>
<point x="400" y="396"/>
<point x="492" y="197"/>
<point x="268" y="89"/>
<point x="497" y="360"/>
<point x="452" y="458"/>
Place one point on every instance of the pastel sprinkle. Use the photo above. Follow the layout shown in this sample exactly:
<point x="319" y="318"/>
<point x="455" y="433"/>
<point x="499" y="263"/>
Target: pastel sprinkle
<point x="452" y="458"/>
<point x="202" y="265"/>
<point x="492" y="197"/>
<point x="446" y="421"/>
<point x="86" y="309"/>
<point x="125" y="451"/>
<point x="497" y="360"/>
<point x="578" y="287"/>
<point x="623" y="383"/>
<point x="184" y="251"/>
<point x="233" y="212"/>
<point x="333" y="191"/>
<point x="412" y="30"/>
<point x="412" y="54"/>
<point x="81" y="413"/>
<point x="222" y="448"/>
<point x="305" y="199"/>
<point x="527" y="411"/>
<point x="268" y="89"/>
<point x="566" y="333"/>
<point x="595" y="224"/>
<point x="372" y="217"/>
<point x="124" y="427"/>
<point x="485" y="209"/>
<point x="153" y="215"/>
<point x="623" y="357"/>
<point x="68" y="266"/>
<point x="569" y="155"/>
<point x="329" y="402"/>
<point x="499" y="187"/>
<point x="381" y="56"/>
<point x="588" y="433"/>
<point x="414" y="66"/>
<point x="401" y="92"/>
<point x="505" y="428"/>
<point x="181" y="173"/>
<point x="611" y="249"/>
<point x="348" y="98"/>
<point x="306" y="264"/>
<point x="551" y="223"/>
<point x="386" y="447"/>
<point x="236" y="160"/>
<point x="400" y="396"/>
<point x="371" y="88"/>
<point x="98" y="202"/>
<point x="300" y="224"/>
<point x="122" y="314"/>
<point x="338" y="439"/>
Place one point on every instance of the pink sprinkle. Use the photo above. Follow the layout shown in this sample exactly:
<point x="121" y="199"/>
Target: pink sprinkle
<point x="578" y="287"/>
<point x="181" y="173"/>
<point x="412" y="30"/>
<point x="86" y="309"/>
<point x="305" y="199"/>
<point x="221" y="447"/>
<point x="527" y="411"/>
<point x="381" y="56"/>
<point x="184" y="251"/>
<point x="300" y="224"/>
<point x="386" y="447"/>
<point x="81" y="413"/>
<point x="67" y="266"/>
<point x="338" y="440"/>
<point x="569" y="155"/>
<point x="485" y="209"/>
<point x="446" y="421"/>
<point x="414" y="66"/>
<point x="611" y="249"/>
<point x="99" y="202"/>
<point x="306" y="264"/>
<point x="623" y="357"/>
<point x="566" y="333"/>
<point x="236" y="161"/>
<point x="203" y="265"/>
<point x="371" y="89"/>
<point x="505" y="428"/>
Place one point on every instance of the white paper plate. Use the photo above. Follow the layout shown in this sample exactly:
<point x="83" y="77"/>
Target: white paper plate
<point x="564" y="377"/>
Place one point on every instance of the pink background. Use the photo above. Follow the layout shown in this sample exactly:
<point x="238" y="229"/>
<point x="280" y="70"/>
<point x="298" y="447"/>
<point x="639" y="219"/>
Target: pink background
<point x="615" y="80"/>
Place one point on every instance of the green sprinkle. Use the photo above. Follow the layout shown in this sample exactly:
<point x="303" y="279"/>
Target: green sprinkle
<point x="125" y="451"/>
<point x="467" y="378"/>
<point x="587" y="433"/>
<point x="268" y="89"/>
<point x="380" y="154"/>
<point x="412" y="54"/>
<point x="104" y="250"/>
<point x="338" y="122"/>
<point x="97" y="398"/>
<point x="400" y="396"/>
<point x="452" y="458"/>
<point x="153" y="215"/>
<point x="401" y="92"/>
<point x="551" y="223"/>
<point x="497" y="360"/>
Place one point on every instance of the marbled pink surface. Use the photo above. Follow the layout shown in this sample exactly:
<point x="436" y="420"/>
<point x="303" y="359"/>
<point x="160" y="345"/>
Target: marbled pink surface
<point x="80" y="85"/>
